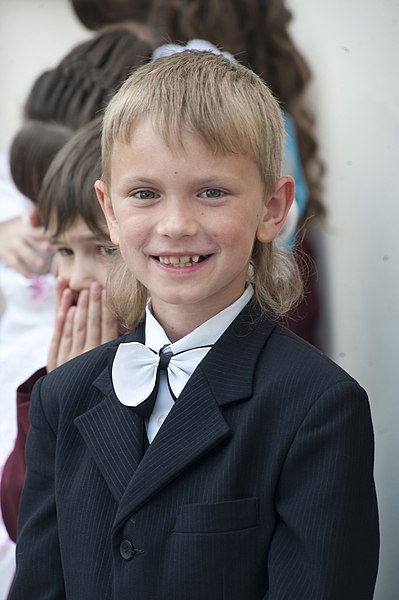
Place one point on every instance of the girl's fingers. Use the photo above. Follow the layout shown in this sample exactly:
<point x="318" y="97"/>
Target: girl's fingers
<point x="65" y="345"/>
<point x="80" y="324"/>
<point x="54" y="349"/>
<point x="93" y="335"/>
<point x="62" y="285"/>
<point x="63" y="305"/>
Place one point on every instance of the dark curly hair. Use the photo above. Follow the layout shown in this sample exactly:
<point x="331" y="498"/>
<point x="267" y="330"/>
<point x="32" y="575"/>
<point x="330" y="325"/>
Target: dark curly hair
<point x="96" y="13"/>
<point x="32" y="149"/>
<point x="79" y="87"/>
<point x="256" y="32"/>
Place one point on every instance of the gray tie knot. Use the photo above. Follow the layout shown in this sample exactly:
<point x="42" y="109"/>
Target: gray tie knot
<point x="165" y="354"/>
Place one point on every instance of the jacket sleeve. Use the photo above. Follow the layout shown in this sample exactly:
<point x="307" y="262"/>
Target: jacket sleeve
<point x="326" y="540"/>
<point x="39" y="571"/>
<point x="13" y="475"/>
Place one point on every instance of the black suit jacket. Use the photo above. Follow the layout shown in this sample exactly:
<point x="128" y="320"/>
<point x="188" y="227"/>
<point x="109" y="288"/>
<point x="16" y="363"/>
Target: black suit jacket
<point x="259" y="484"/>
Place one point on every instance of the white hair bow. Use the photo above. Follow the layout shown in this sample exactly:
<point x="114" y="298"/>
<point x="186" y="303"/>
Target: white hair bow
<point x="201" y="45"/>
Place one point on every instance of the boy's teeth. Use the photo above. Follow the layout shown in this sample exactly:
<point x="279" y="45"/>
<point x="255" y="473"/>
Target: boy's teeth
<point x="179" y="261"/>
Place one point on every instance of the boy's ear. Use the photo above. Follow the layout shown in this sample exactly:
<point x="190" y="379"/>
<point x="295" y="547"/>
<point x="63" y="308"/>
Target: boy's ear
<point x="277" y="205"/>
<point x="107" y="208"/>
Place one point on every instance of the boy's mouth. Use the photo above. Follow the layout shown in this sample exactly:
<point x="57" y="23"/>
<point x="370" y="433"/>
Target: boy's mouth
<point x="181" y="261"/>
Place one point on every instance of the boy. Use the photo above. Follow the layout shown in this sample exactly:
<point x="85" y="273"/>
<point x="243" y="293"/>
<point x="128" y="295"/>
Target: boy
<point x="225" y="458"/>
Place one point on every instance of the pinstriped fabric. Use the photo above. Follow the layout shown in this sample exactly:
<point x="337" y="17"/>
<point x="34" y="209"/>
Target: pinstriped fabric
<point x="165" y="459"/>
<point x="89" y="526"/>
<point x="117" y="467"/>
<point x="259" y="485"/>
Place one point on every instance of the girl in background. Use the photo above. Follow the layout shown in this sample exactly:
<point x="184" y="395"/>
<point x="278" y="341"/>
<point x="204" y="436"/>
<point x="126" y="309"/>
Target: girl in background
<point x="74" y="221"/>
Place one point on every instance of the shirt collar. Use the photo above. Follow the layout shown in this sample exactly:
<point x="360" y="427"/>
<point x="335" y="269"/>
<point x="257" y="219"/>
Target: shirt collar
<point x="204" y="335"/>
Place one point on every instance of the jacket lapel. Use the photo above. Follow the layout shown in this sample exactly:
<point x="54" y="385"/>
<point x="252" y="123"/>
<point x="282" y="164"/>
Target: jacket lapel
<point x="230" y="366"/>
<point x="113" y="432"/>
<point x="196" y="424"/>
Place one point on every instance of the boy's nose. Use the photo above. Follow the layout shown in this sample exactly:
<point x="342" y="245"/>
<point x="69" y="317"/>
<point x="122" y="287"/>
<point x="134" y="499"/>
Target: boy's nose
<point x="177" y="220"/>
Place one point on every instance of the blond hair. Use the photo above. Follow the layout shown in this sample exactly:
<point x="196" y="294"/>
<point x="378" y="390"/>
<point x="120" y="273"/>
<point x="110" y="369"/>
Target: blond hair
<point x="259" y="33"/>
<point x="233" y="111"/>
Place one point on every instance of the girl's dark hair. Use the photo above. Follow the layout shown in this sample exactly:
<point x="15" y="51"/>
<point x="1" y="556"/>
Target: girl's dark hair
<point x="32" y="149"/>
<point x="78" y="89"/>
<point x="256" y="32"/>
<point x="67" y="192"/>
<point x="96" y="13"/>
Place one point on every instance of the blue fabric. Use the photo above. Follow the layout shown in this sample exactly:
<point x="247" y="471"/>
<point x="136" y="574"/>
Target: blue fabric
<point x="292" y="157"/>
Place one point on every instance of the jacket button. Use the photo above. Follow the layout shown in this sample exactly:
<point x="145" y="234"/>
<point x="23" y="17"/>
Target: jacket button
<point x="127" y="550"/>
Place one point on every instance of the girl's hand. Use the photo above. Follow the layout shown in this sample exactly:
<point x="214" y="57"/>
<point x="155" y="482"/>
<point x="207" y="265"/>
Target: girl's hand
<point x="82" y="327"/>
<point x="64" y="302"/>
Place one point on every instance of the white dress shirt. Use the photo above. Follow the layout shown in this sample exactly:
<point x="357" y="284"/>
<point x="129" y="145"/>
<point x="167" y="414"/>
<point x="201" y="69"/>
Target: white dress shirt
<point x="204" y="335"/>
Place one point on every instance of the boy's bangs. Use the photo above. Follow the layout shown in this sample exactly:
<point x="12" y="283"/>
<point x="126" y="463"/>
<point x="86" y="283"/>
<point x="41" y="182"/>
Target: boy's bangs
<point x="228" y="106"/>
<point x="217" y="129"/>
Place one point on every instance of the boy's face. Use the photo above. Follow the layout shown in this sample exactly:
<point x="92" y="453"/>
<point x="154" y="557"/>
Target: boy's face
<point x="80" y="258"/>
<point x="186" y="221"/>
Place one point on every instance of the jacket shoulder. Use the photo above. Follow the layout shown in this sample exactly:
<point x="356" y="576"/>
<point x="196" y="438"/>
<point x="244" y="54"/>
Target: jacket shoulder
<point x="297" y="357"/>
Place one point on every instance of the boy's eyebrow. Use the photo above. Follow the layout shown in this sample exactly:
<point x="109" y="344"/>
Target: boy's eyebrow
<point x="137" y="180"/>
<point x="200" y="179"/>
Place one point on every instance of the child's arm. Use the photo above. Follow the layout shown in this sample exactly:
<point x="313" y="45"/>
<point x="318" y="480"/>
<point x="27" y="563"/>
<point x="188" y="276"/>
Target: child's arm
<point x="13" y="475"/>
<point x="82" y="327"/>
<point x="39" y="569"/>
<point x="326" y="540"/>
<point x="24" y="247"/>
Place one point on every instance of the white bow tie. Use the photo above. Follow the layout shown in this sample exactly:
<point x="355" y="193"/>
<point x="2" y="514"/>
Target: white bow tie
<point x="136" y="370"/>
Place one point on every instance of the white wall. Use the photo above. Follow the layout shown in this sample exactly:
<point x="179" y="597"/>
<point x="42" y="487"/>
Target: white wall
<point x="34" y="36"/>
<point x="353" y="48"/>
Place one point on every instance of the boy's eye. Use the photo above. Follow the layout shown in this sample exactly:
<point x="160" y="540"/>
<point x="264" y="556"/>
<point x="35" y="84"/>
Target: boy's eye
<point x="145" y="195"/>
<point x="212" y="193"/>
